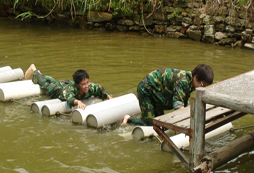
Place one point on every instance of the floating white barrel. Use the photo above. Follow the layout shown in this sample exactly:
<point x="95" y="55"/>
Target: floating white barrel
<point x="182" y="141"/>
<point x="11" y="75"/>
<point x="53" y="107"/>
<point x="5" y="68"/>
<point x="36" y="106"/>
<point x="16" y="92"/>
<point x="107" y="112"/>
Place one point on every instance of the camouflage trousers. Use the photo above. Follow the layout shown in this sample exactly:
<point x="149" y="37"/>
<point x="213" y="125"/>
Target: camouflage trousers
<point x="47" y="83"/>
<point x="150" y="107"/>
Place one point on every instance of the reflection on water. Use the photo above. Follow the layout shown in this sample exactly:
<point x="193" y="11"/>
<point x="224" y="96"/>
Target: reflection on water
<point x="118" y="61"/>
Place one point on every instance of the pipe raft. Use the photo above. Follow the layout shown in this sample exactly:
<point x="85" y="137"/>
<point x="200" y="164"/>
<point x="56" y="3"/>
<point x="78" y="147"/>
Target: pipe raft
<point x="16" y="83"/>
<point x="78" y="116"/>
<point x="54" y="106"/>
<point x="5" y="68"/>
<point x="11" y="75"/>
<point x="36" y="106"/>
<point x="142" y="132"/>
<point x="107" y="112"/>
<point x="182" y="141"/>
<point x="19" y="89"/>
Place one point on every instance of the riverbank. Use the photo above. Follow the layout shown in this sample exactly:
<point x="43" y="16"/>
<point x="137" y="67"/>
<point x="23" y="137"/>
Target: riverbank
<point x="209" y="22"/>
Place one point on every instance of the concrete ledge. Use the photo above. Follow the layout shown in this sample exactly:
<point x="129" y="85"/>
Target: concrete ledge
<point x="235" y="93"/>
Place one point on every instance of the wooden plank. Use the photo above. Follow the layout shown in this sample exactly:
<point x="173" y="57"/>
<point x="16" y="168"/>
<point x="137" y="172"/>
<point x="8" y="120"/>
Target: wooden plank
<point x="178" y="115"/>
<point x="218" y="111"/>
<point x="210" y="114"/>
<point x="175" y="115"/>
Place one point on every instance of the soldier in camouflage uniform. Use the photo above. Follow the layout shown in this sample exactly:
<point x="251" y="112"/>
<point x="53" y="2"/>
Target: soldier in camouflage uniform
<point x="66" y="90"/>
<point x="166" y="89"/>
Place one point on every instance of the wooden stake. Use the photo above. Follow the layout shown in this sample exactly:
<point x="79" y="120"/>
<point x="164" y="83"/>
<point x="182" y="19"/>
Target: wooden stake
<point x="199" y="130"/>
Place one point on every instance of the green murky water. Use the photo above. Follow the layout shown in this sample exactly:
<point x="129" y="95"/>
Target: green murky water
<point x="118" y="61"/>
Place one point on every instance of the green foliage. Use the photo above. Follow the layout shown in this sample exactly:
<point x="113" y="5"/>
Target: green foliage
<point x="27" y="15"/>
<point x="180" y="3"/>
<point x="177" y="13"/>
<point x="124" y="6"/>
<point x="116" y="6"/>
<point x="241" y="3"/>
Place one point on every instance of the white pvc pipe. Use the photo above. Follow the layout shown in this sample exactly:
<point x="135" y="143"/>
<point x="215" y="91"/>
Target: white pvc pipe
<point x="78" y="116"/>
<point x="5" y="68"/>
<point x="36" y="106"/>
<point x="113" y="110"/>
<point x="16" y="83"/>
<point x="14" y="92"/>
<point x="11" y="75"/>
<point x="182" y="141"/>
<point x="141" y="132"/>
<point x="52" y="108"/>
<point x="107" y="112"/>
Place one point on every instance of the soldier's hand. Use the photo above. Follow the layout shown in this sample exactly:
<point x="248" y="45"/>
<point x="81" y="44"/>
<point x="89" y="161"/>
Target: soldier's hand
<point x="109" y="97"/>
<point x="81" y="105"/>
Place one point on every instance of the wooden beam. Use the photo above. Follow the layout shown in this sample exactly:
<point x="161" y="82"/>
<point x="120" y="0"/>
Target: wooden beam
<point x="192" y="126"/>
<point x="172" y="146"/>
<point x="199" y="127"/>
<point x="224" y="120"/>
<point x="172" y="127"/>
<point x="225" y="154"/>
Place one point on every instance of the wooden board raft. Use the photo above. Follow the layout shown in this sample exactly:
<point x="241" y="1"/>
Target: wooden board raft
<point x="179" y="120"/>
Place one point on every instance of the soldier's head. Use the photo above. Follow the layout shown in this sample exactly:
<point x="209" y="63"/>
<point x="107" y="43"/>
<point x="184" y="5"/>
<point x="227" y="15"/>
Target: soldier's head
<point x="81" y="79"/>
<point x="202" y="75"/>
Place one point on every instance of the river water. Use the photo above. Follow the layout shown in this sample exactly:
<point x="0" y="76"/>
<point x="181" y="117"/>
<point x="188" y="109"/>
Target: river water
<point x="117" y="61"/>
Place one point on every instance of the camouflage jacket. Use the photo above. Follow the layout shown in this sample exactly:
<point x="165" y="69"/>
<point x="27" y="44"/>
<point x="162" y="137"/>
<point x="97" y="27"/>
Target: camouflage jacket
<point x="70" y="92"/>
<point x="169" y="86"/>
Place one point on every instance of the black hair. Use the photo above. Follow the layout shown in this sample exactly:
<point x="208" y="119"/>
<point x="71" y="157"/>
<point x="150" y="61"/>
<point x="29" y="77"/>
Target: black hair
<point x="203" y="73"/>
<point x="79" y="75"/>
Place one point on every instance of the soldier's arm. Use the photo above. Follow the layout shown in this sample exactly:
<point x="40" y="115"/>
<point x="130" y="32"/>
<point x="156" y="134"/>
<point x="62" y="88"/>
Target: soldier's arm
<point x="99" y="91"/>
<point x="179" y="95"/>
